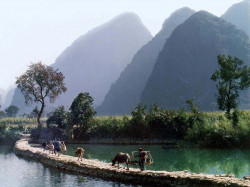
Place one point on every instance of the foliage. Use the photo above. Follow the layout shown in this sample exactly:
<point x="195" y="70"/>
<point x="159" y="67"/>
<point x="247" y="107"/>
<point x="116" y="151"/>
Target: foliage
<point x="232" y="77"/>
<point x="12" y="111"/>
<point x="9" y="134"/>
<point x="221" y="132"/>
<point x="138" y="125"/>
<point x="34" y="113"/>
<point x="34" y="134"/>
<point x="109" y="127"/>
<point x="81" y="113"/>
<point x="2" y="114"/>
<point x="58" y="118"/>
<point x="235" y="117"/>
<point x="39" y="82"/>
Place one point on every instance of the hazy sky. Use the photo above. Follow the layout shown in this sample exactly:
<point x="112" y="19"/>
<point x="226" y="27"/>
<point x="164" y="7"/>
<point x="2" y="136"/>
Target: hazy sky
<point x="39" y="30"/>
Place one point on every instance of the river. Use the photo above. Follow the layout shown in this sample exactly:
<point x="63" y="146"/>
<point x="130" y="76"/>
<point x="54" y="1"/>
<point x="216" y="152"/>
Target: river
<point x="21" y="172"/>
<point x="210" y="161"/>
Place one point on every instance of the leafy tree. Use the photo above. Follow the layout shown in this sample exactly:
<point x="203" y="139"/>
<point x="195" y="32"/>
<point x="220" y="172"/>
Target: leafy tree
<point x="192" y="107"/>
<point x="232" y="77"/>
<point x="2" y="114"/>
<point x="39" y="82"/>
<point x="12" y="111"/>
<point x="155" y="119"/>
<point x="58" y="117"/>
<point x="196" y="117"/>
<point x="81" y="112"/>
<point x="34" y="113"/>
<point x="138" y="121"/>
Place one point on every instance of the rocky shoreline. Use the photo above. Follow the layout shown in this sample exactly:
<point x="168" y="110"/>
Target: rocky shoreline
<point x="103" y="170"/>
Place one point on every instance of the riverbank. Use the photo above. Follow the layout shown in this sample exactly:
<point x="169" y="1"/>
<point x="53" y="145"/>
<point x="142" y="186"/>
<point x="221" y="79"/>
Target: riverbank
<point x="106" y="171"/>
<point x="125" y="141"/>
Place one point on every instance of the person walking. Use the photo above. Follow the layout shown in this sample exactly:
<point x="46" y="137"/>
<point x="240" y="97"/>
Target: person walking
<point x="57" y="147"/>
<point x="142" y="158"/>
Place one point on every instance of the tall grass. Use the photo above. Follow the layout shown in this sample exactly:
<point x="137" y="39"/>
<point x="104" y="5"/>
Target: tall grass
<point x="18" y="121"/>
<point x="219" y="131"/>
<point x="198" y="129"/>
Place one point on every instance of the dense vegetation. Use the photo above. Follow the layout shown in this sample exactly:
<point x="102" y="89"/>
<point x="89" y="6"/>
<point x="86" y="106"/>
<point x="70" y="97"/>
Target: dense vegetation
<point x="9" y="134"/>
<point x="12" y="128"/>
<point x="196" y="128"/>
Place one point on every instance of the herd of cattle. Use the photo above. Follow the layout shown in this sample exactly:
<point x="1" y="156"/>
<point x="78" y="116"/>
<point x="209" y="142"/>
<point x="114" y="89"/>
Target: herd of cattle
<point x="56" y="147"/>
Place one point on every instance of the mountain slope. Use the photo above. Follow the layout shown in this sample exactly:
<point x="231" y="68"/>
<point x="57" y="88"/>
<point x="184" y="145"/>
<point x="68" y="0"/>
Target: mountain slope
<point x="8" y="97"/>
<point x="2" y="95"/>
<point x="239" y="15"/>
<point x="95" y="60"/>
<point x="188" y="60"/>
<point x="125" y="94"/>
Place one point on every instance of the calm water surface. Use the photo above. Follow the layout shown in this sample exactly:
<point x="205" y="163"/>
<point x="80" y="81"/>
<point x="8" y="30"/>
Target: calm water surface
<point x="19" y="172"/>
<point x="211" y="161"/>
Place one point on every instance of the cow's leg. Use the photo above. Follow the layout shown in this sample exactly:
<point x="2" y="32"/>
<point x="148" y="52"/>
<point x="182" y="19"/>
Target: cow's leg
<point x="118" y="165"/>
<point x="127" y="165"/>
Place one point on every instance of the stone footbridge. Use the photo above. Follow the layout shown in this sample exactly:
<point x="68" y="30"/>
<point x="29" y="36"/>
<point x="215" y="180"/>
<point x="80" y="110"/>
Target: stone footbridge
<point x="134" y="176"/>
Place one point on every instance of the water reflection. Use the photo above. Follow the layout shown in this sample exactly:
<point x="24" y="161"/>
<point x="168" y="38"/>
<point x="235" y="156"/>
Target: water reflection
<point x="212" y="161"/>
<point x="20" y="172"/>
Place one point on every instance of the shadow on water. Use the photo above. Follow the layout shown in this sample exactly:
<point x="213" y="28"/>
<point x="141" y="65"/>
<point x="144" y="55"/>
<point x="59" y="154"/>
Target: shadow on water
<point x="211" y="161"/>
<point x="6" y="149"/>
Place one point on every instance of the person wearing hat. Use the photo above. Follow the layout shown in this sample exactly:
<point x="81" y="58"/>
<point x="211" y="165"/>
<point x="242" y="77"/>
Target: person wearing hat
<point x="142" y="157"/>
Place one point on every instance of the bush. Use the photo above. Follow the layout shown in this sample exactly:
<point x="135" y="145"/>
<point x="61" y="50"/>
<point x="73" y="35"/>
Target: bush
<point x="58" y="118"/>
<point x="10" y="134"/>
<point x="109" y="127"/>
<point x="137" y="125"/>
<point x="221" y="132"/>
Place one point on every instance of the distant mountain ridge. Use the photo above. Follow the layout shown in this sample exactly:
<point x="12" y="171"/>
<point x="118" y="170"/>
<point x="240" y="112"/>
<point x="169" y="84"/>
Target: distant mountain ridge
<point x="174" y="66"/>
<point x="239" y="15"/>
<point x="188" y="60"/>
<point x="125" y="93"/>
<point x="95" y="60"/>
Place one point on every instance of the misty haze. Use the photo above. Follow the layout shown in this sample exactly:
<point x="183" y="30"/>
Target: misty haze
<point x="151" y="85"/>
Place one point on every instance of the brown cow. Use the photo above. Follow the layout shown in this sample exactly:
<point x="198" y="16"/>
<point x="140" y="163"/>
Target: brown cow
<point x="79" y="152"/>
<point x="121" y="158"/>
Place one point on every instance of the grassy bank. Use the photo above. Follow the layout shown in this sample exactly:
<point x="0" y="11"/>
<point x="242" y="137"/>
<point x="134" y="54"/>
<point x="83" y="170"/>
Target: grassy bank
<point x="20" y="121"/>
<point x="12" y="128"/>
<point x="197" y="129"/>
<point x="10" y="134"/>
<point x="217" y="130"/>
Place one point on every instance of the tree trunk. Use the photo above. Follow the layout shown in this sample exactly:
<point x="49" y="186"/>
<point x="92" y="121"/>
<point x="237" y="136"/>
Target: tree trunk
<point x="39" y="116"/>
